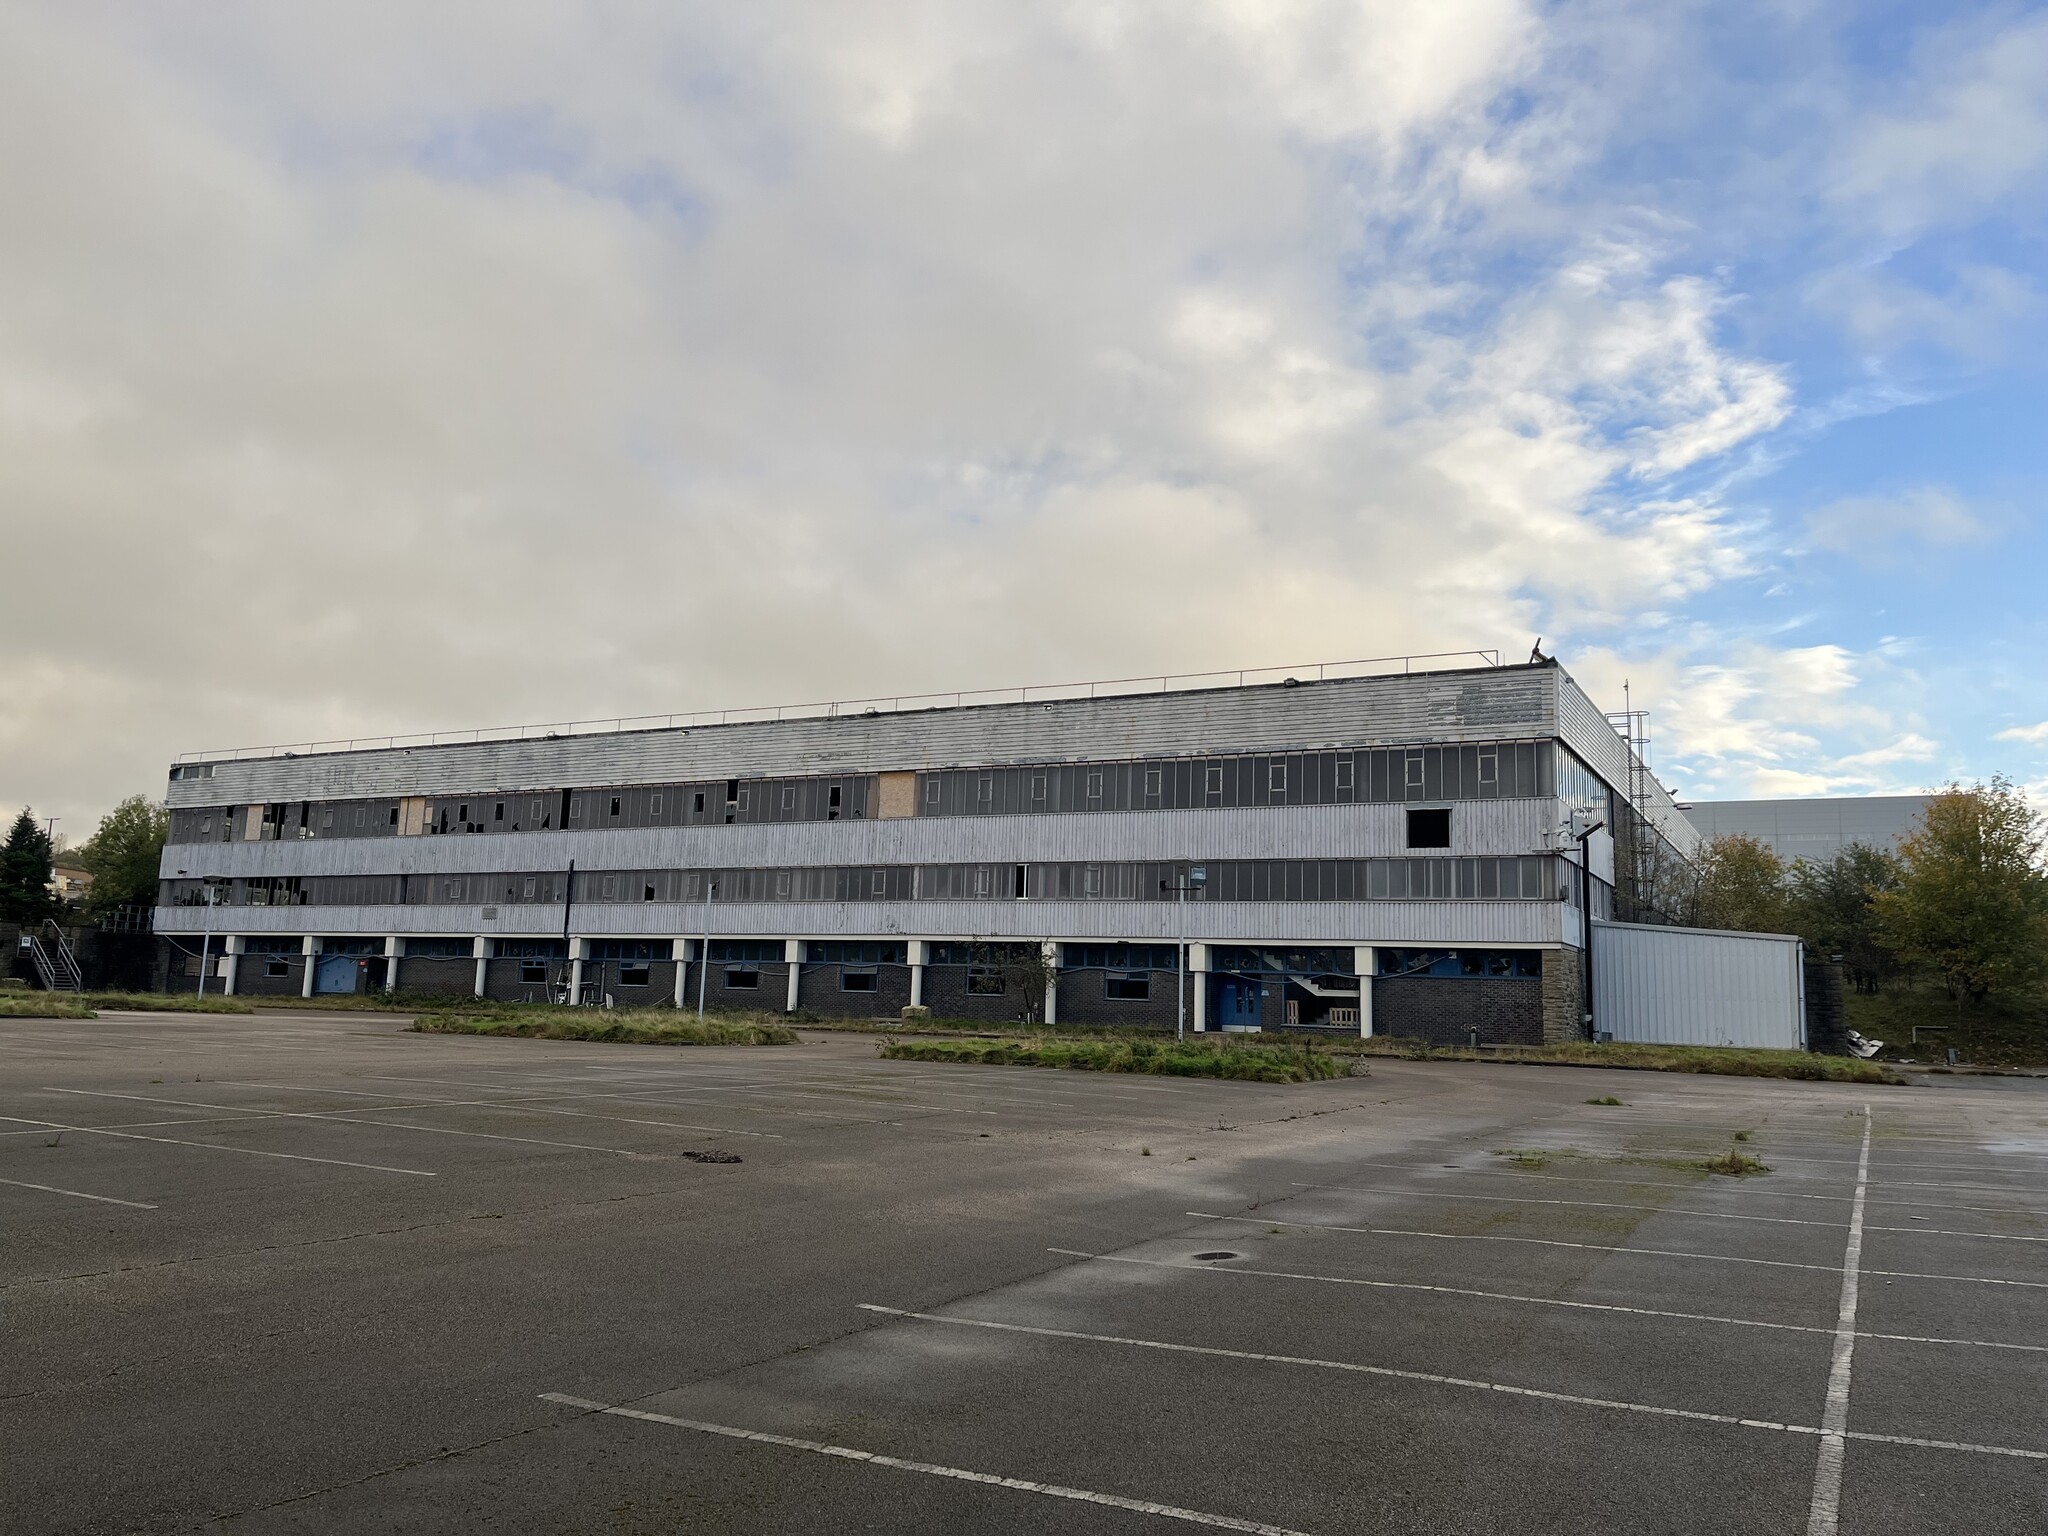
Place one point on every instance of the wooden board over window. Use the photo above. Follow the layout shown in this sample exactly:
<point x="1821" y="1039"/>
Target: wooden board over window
<point x="412" y="817"/>
<point x="899" y="795"/>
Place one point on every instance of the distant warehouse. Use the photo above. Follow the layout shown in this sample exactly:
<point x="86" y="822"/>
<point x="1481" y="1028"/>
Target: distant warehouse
<point x="1396" y="854"/>
<point x="1815" y="830"/>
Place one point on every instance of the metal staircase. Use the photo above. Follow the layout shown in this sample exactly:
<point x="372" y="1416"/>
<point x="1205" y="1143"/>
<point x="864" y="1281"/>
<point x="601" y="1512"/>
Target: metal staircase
<point x="54" y="962"/>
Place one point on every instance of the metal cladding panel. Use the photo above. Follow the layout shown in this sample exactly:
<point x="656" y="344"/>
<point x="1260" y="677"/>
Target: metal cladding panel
<point x="1582" y="727"/>
<point x="1812" y="829"/>
<point x="1476" y="705"/>
<point x="1696" y="986"/>
<point x="1432" y="923"/>
<point x="1249" y="832"/>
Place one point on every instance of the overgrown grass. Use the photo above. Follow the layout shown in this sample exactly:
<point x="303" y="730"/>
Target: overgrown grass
<point x="42" y="1005"/>
<point x="1734" y="1165"/>
<point x="1713" y="1060"/>
<point x="2001" y="1031"/>
<point x="168" y="1002"/>
<point x="622" y="1026"/>
<point x="1234" y="1057"/>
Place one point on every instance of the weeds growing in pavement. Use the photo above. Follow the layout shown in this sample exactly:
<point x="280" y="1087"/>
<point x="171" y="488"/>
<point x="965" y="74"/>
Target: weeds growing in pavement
<point x="1605" y="1098"/>
<point x="1734" y="1164"/>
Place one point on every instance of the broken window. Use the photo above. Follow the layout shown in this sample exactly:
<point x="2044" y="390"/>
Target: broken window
<point x="857" y="980"/>
<point x="698" y="808"/>
<point x="1429" y="829"/>
<point x="832" y="804"/>
<point x="741" y="978"/>
<point x="1131" y="987"/>
<point x="615" y="805"/>
<point x="533" y="970"/>
<point x="635" y="973"/>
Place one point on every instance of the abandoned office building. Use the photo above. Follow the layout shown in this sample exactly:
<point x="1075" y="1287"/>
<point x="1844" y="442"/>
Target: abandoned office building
<point x="1402" y="854"/>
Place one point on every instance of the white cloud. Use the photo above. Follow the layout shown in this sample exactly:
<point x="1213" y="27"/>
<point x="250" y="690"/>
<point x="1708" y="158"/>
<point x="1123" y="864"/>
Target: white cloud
<point x="1873" y="529"/>
<point x="402" y="367"/>
<point x="2028" y="735"/>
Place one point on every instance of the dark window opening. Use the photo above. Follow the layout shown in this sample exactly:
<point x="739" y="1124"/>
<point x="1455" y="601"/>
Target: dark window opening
<point x="1128" y="989"/>
<point x="857" y="981"/>
<point x="498" y="813"/>
<point x="740" y="978"/>
<point x="732" y="791"/>
<point x="1429" y="829"/>
<point x="615" y="805"/>
<point x="533" y="970"/>
<point x="832" y="811"/>
<point x="635" y="975"/>
<point x="1018" y="881"/>
<point x="647" y="892"/>
<point x="698" y="808"/>
<point x="986" y="981"/>
<point x="277" y="968"/>
<point x="394" y="816"/>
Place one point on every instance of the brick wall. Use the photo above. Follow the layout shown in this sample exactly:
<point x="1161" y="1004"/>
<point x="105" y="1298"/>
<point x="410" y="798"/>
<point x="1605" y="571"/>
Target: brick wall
<point x="1564" y="996"/>
<point x="946" y="994"/>
<point x="445" y="978"/>
<point x="1445" y="1010"/>
<point x="1082" y="1002"/>
<point x="251" y="980"/>
<point x="818" y="992"/>
<point x="770" y="997"/>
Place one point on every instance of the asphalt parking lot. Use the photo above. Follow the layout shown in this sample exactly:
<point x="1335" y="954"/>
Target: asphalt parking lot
<point x="313" y="1273"/>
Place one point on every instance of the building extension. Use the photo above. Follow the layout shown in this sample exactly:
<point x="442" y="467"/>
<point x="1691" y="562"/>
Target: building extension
<point x="1398" y="854"/>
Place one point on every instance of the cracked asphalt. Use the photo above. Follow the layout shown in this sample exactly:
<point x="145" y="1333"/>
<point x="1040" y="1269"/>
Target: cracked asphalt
<point x="310" y="1272"/>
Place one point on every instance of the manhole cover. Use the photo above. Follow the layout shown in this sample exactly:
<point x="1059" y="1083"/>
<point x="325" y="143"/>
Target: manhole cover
<point x="1215" y="1254"/>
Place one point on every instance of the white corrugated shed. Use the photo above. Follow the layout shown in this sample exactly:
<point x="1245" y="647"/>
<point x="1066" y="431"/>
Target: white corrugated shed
<point x="1699" y="986"/>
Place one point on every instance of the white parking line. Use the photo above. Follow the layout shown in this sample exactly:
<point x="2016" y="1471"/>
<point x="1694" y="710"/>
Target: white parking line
<point x="1824" y="1514"/>
<point x="1658" y="1253"/>
<point x="506" y="1103"/>
<point x="1695" y="1415"/>
<point x="1666" y="1210"/>
<point x="389" y="1125"/>
<point x="214" y="1146"/>
<point x="929" y="1469"/>
<point x="78" y="1194"/>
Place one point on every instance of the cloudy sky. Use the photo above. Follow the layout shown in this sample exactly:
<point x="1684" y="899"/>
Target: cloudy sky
<point x="387" y="367"/>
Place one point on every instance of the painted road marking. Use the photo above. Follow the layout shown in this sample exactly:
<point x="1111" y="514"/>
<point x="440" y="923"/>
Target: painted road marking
<point x="1825" y="1513"/>
<point x="78" y="1194"/>
<point x="1665" y="1210"/>
<point x="512" y="1104"/>
<point x="214" y="1146"/>
<point x="929" y="1469"/>
<point x="1538" y="1301"/>
<point x="1692" y="1414"/>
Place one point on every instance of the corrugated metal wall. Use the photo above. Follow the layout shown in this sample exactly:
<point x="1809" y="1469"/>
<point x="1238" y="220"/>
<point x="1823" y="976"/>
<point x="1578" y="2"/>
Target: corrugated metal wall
<point x="1380" y="922"/>
<point x="1276" y="832"/>
<point x="1445" y="706"/>
<point x="1582" y="727"/>
<point x="1694" y="986"/>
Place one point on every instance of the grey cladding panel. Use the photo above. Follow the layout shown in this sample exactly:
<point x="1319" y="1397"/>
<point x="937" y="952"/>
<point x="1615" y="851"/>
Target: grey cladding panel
<point x="1354" y="711"/>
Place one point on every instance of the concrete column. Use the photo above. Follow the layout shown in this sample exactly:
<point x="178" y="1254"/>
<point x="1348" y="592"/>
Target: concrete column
<point x="578" y="950"/>
<point x="230" y="963"/>
<point x="310" y="948"/>
<point x="915" y="955"/>
<point x="394" y="951"/>
<point x="793" y="953"/>
<point x="1363" y="964"/>
<point x="1198" y="980"/>
<point x="1052" y="982"/>
<point x="679" y="951"/>
<point x="483" y="960"/>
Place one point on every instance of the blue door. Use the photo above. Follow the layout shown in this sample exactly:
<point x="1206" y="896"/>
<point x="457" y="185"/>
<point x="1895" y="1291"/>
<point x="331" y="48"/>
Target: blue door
<point x="335" y="973"/>
<point x="1237" y="1003"/>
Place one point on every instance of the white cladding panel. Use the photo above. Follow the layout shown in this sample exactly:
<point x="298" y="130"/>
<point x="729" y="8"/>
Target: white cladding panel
<point x="1478" y="827"/>
<point x="1696" y="986"/>
<point x="1430" y="923"/>
<point x="1481" y="704"/>
<point x="1582" y="727"/>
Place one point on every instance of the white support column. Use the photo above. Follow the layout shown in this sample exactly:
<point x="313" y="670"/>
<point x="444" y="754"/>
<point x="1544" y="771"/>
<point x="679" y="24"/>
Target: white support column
<point x="1052" y="982"/>
<point x="679" y="951"/>
<point x="483" y="962"/>
<point x="394" y="951"/>
<point x="1198" y="979"/>
<point x="310" y="947"/>
<point x="793" y="954"/>
<point x="916" y="957"/>
<point x="231" y="963"/>
<point x="578" y="950"/>
<point x="1363" y="964"/>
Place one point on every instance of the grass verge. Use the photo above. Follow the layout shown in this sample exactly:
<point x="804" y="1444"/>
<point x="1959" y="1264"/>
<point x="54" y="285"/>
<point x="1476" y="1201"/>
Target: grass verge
<point x="629" y="1026"/>
<point x="1718" y="1061"/>
<point x="2005" y="1030"/>
<point x="43" y="1005"/>
<point x="1288" y="1062"/>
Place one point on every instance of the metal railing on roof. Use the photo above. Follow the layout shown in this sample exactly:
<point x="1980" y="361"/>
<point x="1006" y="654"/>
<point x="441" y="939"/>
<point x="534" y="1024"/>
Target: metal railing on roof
<point x="1246" y="677"/>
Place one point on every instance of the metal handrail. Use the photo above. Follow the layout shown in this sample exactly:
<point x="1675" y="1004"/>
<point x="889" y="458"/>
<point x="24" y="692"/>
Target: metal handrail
<point x="890" y="704"/>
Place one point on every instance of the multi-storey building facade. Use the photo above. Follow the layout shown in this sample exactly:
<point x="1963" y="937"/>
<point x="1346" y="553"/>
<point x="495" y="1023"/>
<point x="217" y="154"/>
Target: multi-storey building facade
<point x="1394" y="854"/>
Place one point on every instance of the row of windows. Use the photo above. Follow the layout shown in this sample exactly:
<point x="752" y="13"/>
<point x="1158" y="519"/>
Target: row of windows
<point x="1522" y="877"/>
<point x="1378" y="775"/>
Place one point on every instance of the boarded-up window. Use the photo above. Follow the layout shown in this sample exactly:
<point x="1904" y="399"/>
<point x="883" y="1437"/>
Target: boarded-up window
<point x="898" y="795"/>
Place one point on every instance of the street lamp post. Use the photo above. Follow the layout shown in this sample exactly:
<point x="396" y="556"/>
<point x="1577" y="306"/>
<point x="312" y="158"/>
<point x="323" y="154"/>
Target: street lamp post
<point x="1586" y="917"/>
<point x="704" y="957"/>
<point x="1197" y="878"/>
<point x="205" y="933"/>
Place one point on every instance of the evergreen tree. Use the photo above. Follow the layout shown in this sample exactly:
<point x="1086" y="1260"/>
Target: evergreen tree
<point x="1834" y="908"/>
<point x="25" y="872"/>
